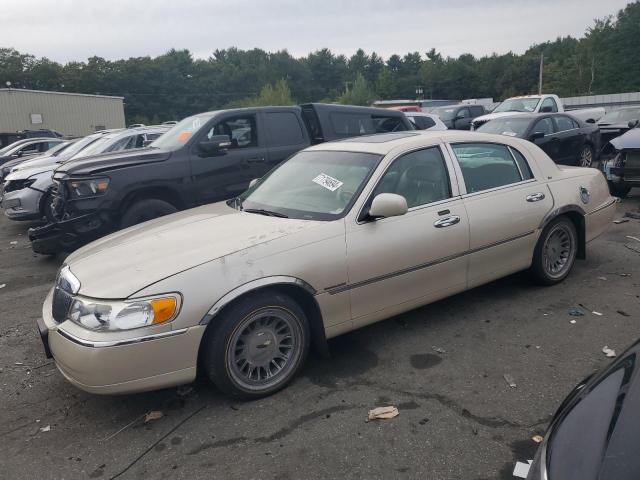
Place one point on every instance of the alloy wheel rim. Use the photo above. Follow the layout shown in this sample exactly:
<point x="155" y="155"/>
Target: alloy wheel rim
<point x="264" y="348"/>
<point x="558" y="251"/>
<point x="586" y="157"/>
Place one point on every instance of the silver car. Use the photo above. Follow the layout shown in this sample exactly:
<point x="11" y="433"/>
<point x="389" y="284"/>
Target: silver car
<point x="341" y="235"/>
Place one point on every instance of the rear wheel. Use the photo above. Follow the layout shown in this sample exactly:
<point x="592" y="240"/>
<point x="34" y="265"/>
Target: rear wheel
<point x="586" y="156"/>
<point x="555" y="252"/>
<point x="257" y="346"/>
<point x="144" y="210"/>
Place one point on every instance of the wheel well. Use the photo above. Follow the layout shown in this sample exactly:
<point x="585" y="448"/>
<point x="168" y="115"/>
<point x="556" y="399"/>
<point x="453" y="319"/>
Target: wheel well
<point x="160" y="193"/>
<point x="302" y="297"/>
<point x="578" y="221"/>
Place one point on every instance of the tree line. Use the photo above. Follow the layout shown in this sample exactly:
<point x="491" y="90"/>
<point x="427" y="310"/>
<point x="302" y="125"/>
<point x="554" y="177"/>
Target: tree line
<point x="174" y="85"/>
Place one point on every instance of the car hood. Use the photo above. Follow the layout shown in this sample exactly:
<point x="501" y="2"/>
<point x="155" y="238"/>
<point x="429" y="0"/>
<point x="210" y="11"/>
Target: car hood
<point x="16" y="162"/>
<point x="25" y="173"/>
<point x="111" y="161"/>
<point x="596" y="431"/>
<point x="40" y="161"/>
<point x="493" y="116"/>
<point x="627" y="141"/>
<point x="121" y="264"/>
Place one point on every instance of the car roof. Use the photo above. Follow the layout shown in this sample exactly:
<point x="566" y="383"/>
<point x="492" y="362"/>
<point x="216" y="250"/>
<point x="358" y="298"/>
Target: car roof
<point x="385" y="143"/>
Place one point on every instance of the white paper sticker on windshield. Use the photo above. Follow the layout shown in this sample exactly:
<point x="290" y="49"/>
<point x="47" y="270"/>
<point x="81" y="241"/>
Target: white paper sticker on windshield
<point x="328" y="182"/>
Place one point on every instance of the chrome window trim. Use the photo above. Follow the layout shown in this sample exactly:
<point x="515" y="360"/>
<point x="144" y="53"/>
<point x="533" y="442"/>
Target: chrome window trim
<point x="118" y="343"/>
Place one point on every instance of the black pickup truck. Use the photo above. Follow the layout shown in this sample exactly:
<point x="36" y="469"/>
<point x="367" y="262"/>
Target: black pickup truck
<point x="205" y="158"/>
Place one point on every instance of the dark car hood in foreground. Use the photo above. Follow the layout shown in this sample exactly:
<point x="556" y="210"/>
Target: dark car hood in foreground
<point x="596" y="433"/>
<point x="111" y="161"/>
<point x="627" y="141"/>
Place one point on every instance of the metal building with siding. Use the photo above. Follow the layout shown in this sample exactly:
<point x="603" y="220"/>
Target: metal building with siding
<point x="73" y="114"/>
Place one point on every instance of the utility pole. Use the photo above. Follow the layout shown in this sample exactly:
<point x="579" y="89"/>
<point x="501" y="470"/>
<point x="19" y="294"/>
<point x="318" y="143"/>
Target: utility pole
<point x="540" y="78"/>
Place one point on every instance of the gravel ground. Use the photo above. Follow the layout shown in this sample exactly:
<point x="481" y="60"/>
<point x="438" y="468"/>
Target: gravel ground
<point x="441" y="365"/>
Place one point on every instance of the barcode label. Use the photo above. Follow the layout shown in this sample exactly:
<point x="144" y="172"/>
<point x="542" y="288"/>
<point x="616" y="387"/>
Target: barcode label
<point x="328" y="182"/>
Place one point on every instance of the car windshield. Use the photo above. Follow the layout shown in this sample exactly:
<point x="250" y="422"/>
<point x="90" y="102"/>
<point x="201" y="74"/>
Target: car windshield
<point x="56" y="149"/>
<point x="10" y="148"/>
<point x="621" y="116"/>
<point x="513" y="127"/>
<point x="316" y="185"/>
<point x="518" y="105"/>
<point x="178" y="135"/>
<point x="98" y="146"/>
<point x="444" y="113"/>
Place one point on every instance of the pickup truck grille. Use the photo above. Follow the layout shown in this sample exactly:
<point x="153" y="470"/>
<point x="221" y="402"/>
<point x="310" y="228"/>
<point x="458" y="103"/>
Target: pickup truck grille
<point x="62" y="300"/>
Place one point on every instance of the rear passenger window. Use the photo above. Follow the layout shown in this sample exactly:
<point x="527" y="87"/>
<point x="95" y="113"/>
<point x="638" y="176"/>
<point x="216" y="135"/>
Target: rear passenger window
<point x="420" y="177"/>
<point x="565" y="123"/>
<point x="387" y="124"/>
<point x="488" y="165"/>
<point x="351" y="124"/>
<point x="284" y="129"/>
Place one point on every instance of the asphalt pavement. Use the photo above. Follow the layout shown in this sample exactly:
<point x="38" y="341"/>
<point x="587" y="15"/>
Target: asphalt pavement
<point x="442" y="366"/>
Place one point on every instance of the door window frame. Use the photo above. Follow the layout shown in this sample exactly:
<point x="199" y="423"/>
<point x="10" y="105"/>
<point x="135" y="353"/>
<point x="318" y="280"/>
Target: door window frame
<point x="461" y="182"/>
<point x="555" y="122"/>
<point x="452" y="177"/>
<point x="225" y="118"/>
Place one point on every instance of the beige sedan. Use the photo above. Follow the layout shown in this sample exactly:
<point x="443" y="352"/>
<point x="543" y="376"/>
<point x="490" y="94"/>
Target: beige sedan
<point x="339" y="236"/>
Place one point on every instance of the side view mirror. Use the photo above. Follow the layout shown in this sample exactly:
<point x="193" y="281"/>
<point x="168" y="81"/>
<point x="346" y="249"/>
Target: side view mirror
<point x="253" y="182"/>
<point x="215" y="144"/>
<point x="536" y="135"/>
<point x="633" y="123"/>
<point x="546" y="109"/>
<point x="590" y="120"/>
<point x="388" y="205"/>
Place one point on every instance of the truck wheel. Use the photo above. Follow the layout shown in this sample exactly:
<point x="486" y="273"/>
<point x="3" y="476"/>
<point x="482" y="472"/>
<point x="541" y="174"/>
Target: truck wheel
<point x="586" y="156"/>
<point x="555" y="252"/>
<point x="145" y="210"/>
<point x="257" y="346"/>
<point x="619" y="189"/>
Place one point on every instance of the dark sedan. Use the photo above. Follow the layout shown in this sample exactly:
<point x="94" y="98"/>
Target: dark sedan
<point x="617" y="122"/>
<point x="596" y="431"/>
<point x="566" y="139"/>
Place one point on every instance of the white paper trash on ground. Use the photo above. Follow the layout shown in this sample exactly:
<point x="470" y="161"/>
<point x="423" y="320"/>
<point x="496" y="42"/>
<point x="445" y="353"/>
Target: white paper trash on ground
<point x="521" y="470"/>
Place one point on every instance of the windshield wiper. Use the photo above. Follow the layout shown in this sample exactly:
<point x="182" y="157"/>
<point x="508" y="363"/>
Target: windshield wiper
<point x="268" y="213"/>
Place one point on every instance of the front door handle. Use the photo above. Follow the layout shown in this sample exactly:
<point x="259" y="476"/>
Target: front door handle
<point x="535" y="197"/>
<point x="446" y="221"/>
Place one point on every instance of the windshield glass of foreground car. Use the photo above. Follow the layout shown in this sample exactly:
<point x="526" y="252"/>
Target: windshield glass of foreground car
<point x="181" y="132"/>
<point x="316" y="185"/>
<point x="518" y="105"/>
<point x="513" y="127"/>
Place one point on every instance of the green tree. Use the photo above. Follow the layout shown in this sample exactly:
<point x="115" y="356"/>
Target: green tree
<point x="359" y="94"/>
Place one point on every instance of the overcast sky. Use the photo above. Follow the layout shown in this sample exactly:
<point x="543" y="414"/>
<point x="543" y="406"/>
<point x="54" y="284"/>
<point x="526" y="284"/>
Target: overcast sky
<point x="66" y="30"/>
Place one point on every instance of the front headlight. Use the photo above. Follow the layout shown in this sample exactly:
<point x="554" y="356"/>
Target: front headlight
<point x="111" y="316"/>
<point x="91" y="187"/>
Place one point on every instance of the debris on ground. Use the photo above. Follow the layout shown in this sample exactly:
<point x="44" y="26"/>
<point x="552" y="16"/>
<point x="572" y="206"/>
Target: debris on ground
<point x="510" y="380"/>
<point x="439" y="350"/>
<point x="521" y="470"/>
<point x="608" y="352"/>
<point x="633" y="238"/>
<point x="597" y="313"/>
<point x="537" y="438"/>
<point x="623" y="313"/>
<point x="184" y="390"/>
<point x="383" y="413"/>
<point x="572" y="321"/>
<point x="15" y="242"/>
<point x="621" y="220"/>
<point x="602" y="278"/>
<point x="576" y="312"/>
<point x="624" y="274"/>
<point x="632" y="215"/>
<point x="2" y="285"/>
<point x="153" y="415"/>
<point x="46" y="429"/>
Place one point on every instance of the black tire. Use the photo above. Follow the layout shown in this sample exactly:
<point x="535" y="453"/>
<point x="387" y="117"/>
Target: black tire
<point x="550" y="252"/>
<point x="619" y="189"/>
<point x="586" y="156"/>
<point x="144" y="210"/>
<point x="238" y="336"/>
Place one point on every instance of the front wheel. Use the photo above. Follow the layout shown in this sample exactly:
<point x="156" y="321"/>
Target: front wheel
<point x="555" y="252"/>
<point x="257" y="346"/>
<point x="145" y="210"/>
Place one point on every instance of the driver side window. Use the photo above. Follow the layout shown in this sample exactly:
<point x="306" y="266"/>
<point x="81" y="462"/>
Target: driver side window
<point x="550" y="103"/>
<point x="420" y="177"/>
<point x="240" y="130"/>
<point x="545" y="126"/>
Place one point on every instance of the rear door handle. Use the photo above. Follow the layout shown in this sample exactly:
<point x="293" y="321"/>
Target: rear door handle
<point x="446" y="221"/>
<point x="535" y="197"/>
